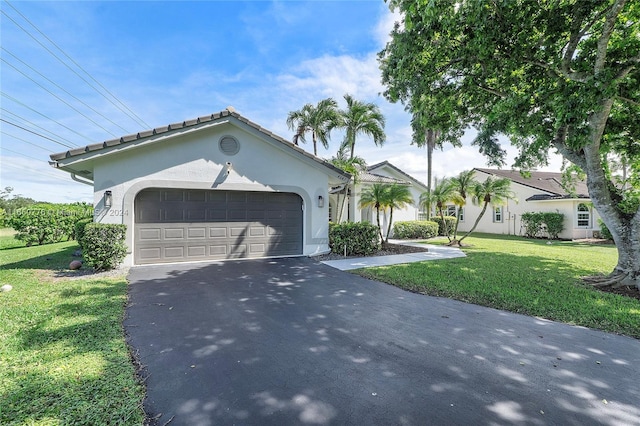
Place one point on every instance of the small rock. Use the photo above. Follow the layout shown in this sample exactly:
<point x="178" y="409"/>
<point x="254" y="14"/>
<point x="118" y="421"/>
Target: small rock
<point x="6" y="287"/>
<point x="75" y="264"/>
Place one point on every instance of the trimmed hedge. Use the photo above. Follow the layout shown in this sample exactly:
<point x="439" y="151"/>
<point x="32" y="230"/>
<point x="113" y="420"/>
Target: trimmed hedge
<point x="45" y="223"/>
<point x="104" y="245"/>
<point x="415" y="229"/>
<point x="360" y="238"/>
<point x="450" y="221"/>
<point x="79" y="230"/>
<point x="542" y="224"/>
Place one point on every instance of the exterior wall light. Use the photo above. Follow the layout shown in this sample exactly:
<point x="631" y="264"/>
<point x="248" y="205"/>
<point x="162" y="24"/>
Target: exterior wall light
<point x="108" y="199"/>
<point x="320" y="201"/>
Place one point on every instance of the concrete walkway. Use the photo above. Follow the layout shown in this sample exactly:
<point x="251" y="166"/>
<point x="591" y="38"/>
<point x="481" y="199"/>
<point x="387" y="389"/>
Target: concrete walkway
<point x="434" y="253"/>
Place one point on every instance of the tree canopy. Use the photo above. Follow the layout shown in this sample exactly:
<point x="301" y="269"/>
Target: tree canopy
<point x="562" y="74"/>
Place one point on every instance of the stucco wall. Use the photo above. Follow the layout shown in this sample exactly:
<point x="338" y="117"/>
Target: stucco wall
<point x="193" y="160"/>
<point x="512" y="214"/>
<point x="410" y="212"/>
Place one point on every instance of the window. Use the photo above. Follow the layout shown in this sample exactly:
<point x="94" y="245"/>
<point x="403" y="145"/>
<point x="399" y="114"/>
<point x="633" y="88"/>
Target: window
<point x="583" y="216"/>
<point x="450" y="211"/>
<point x="497" y="214"/>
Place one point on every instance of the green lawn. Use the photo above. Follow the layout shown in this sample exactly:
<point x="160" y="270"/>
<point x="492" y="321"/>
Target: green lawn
<point x="525" y="276"/>
<point x="63" y="357"/>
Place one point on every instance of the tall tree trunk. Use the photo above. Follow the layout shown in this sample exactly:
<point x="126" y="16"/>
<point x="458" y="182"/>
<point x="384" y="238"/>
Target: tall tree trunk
<point x="386" y="240"/>
<point x="430" y="143"/>
<point x="473" y="228"/>
<point x="378" y="221"/>
<point x="624" y="227"/>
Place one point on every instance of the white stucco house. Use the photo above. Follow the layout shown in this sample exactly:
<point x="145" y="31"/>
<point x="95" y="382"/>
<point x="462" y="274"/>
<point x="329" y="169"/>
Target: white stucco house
<point x="383" y="172"/>
<point x="541" y="192"/>
<point x="215" y="187"/>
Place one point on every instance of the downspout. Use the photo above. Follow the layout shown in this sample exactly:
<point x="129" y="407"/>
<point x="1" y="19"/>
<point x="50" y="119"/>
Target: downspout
<point x="81" y="180"/>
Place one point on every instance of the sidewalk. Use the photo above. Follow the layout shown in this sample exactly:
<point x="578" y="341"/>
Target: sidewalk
<point x="434" y="253"/>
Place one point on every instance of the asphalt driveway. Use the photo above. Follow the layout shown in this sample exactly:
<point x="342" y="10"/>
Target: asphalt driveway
<point x="292" y="341"/>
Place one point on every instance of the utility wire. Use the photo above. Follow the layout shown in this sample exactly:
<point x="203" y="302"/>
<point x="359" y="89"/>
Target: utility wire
<point x="65" y="91"/>
<point x="21" y="154"/>
<point x="50" y="176"/>
<point x="48" y="118"/>
<point x="130" y="113"/>
<point x="59" y="98"/>
<point x="25" y="141"/>
<point x="37" y="126"/>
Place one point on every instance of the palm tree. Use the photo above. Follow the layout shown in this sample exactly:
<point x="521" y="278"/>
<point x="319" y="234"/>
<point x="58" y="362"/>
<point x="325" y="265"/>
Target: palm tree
<point x="442" y="193"/>
<point x="430" y="139"/>
<point x="494" y="191"/>
<point x="354" y="166"/>
<point x="377" y="195"/>
<point x="319" y="120"/>
<point x="398" y="196"/>
<point x="463" y="183"/>
<point x="362" y="118"/>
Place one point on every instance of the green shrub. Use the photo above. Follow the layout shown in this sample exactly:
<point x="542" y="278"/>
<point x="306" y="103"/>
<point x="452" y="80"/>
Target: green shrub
<point x="554" y="223"/>
<point x="604" y="231"/>
<point x="3" y="218"/>
<point x="415" y="229"/>
<point x="360" y="238"/>
<point x="104" y="245"/>
<point x="79" y="230"/>
<point x="44" y="223"/>
<point x="542" y="224"/>
<point x="449" y="220"/>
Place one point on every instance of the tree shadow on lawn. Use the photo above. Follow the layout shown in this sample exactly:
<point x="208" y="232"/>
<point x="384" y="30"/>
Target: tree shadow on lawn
<point x="81" y="369"/>
<point x="55" y="260"/>
<point x="532" y="285"/>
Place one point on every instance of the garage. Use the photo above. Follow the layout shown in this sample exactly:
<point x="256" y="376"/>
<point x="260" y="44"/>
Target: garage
<point x="181" y="225"/>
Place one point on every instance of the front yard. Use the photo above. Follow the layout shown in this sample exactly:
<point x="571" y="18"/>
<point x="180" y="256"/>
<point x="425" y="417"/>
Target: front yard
<point x="64" y="360"/>
<point x="525" y="276"/>
<point x="63" y="357"/>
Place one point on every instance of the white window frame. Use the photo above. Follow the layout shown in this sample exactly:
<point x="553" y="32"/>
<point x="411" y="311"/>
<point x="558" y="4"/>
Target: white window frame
<point x="586" y="216"/>
<point x="498" y="214"/>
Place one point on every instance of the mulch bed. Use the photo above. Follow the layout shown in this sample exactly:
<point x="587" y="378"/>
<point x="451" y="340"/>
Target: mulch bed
<point x="387" y="249"/>
<point x="632" y="292"/>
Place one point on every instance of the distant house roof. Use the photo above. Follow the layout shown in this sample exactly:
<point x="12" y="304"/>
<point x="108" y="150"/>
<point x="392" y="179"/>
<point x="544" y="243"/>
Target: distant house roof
<point x="549" y="182"/>
<point x="175" y="128"/>
<point x="374" y="178"/>
<point x="408" y="178"/>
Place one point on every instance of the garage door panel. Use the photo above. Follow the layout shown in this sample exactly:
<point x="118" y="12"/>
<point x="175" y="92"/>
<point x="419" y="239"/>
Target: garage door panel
<point x="182" y="225"/>
<point x="199" y="233"/>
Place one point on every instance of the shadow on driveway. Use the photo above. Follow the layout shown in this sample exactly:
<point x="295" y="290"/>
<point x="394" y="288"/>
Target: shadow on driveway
<point x="292" y="341"/>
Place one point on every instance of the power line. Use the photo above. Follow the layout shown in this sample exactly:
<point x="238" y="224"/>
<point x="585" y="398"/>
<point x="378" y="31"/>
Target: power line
<point x="21" y="154"/>
<point x="48" y="118"/>
<point x="36" y="171"/>
<point x="59" y="98"/>
<point x="130" y="114"/>
<point x="25" y="141"/>
<point x="65" y="91"/>
<point x="37" y="126"/>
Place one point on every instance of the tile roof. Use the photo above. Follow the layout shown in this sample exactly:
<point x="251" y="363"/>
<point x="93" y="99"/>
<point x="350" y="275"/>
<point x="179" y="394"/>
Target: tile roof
<point x="374" y="178"/>
<point x="175" y="127"/>
<point x="403" y="173"/>
<point x="549" y="182"/>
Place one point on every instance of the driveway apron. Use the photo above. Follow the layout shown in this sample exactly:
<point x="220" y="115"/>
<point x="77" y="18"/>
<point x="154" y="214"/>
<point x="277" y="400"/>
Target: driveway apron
<point x="292" y="341"/>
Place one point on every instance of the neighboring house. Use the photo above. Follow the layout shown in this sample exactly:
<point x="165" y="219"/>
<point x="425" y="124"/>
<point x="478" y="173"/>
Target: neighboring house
<point x="215" y="187"/>
<point x="383" y="172"/>
<point x="541" y="192"/>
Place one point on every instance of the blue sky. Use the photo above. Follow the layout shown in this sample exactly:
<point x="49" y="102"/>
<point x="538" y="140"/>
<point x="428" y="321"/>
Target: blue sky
<point x="171" y="61"/>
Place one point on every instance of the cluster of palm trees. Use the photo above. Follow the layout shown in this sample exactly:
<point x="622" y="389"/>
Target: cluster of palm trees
<point x="320" y="119"/>
<point x="383" y="196"/>
<point x="492" y="191"/>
